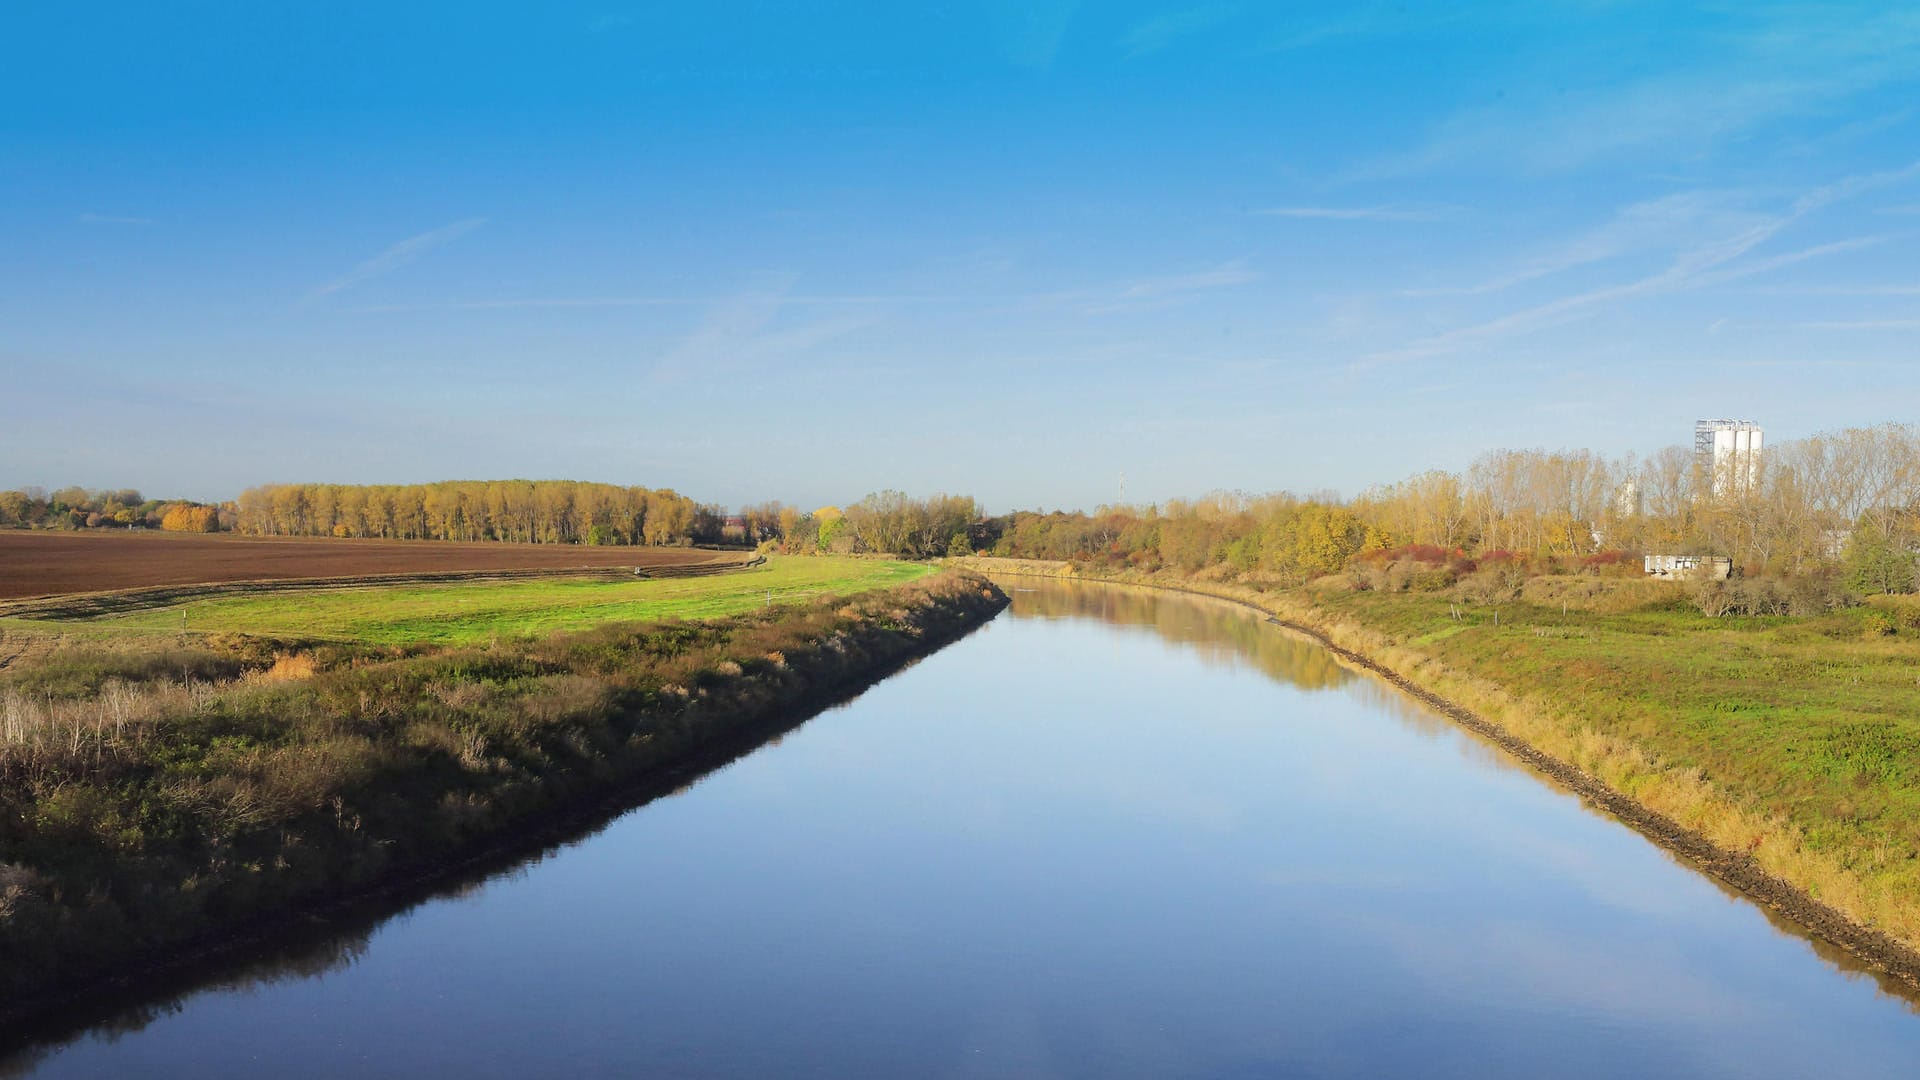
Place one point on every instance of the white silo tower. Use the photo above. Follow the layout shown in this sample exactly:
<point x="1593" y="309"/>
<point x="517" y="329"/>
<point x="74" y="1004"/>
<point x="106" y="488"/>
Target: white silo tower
<point x="1730" y="452"/>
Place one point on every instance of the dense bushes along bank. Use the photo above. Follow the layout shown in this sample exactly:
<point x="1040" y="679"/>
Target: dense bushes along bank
<point x="152" y="800"/>
<point x="1790" y="744"/>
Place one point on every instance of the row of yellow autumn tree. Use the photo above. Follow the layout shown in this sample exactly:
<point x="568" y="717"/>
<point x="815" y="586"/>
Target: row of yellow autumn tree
<point x="525" y="511"/>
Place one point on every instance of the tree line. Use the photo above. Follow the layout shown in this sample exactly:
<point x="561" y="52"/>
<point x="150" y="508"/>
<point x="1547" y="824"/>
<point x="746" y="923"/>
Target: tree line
<point x="883" y="523"/>
<point x="520" y="511"/>
<point x="1842" y="501"/>
<point x="121" y="508"/>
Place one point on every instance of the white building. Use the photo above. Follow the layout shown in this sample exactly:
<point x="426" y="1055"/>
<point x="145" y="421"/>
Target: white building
<point x="1729" y="451"/>
<point x="1712" y="567"/>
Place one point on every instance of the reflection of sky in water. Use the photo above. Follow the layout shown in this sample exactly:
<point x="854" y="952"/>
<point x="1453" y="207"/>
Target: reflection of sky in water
<point x="1064" y="848"/>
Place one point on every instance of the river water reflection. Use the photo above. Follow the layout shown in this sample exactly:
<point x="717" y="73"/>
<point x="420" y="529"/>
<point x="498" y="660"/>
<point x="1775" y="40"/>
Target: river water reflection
<point x="1114" y="833"/>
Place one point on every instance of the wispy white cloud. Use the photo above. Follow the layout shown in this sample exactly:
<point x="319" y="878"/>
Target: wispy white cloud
<point x="1028" y="32"/>
<point x="1711" y="260"/>
<point x="1154" y="34"/>
<point x="1665" y="223"/>
<point x="1836" y="290"/>
<point x="1306" y="25"/>
<point x="1785" y="61"/>
<point x="397" y="256"/>
<point x="1705" y="232"/>
<point x="1853" y="186"/>
<point x="797" y="339"/>
<point x="1676" y="110"/>
<point x="738" y="331"/>
<point x="1233" y="273"/>
<point x="1848" y="134"/>
<point x="114" y="219"/>
<point x="725" y="326"/>
<point x="1775" y="262"/>
<point x="604" y="22"/>
<point x="1363" y="213"/>
<point x="1692" y="270"/>
<point x="1149" y="292"/>
<point x="591" y="302"/>
<point x="1863" y="324"/>
<point x="513" y="304"/>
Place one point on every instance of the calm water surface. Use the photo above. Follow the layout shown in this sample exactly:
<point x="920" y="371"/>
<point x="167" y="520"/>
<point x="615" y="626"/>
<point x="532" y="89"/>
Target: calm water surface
<point x="1112" y="834"/>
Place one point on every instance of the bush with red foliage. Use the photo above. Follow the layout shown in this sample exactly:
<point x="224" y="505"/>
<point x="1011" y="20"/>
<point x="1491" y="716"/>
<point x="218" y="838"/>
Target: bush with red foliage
<point x="1612" y="563"/>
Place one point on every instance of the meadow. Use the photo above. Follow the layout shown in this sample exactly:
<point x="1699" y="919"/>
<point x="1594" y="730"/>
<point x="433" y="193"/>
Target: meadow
<point x="473" y="612"/>
<point x="1821" y="713"/>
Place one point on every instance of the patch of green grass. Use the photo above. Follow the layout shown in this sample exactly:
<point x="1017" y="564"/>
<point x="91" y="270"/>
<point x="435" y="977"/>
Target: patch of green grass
<point x="478" y="611"/>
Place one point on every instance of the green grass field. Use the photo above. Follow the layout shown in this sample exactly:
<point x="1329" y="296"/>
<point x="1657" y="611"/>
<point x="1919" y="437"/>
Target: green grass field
<point x="1821" y="709"/>
<point x="471" y="612"/>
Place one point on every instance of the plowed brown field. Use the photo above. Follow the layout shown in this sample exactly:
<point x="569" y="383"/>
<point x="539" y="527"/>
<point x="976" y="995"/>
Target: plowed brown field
<point x="54" y="563"/>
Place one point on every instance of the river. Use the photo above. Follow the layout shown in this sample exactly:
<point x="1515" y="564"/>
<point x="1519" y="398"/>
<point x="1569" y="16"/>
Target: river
<point x="1112" y="834"/>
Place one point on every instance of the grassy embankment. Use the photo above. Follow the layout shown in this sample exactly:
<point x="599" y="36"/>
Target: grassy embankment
<point x="1793" y="739"/>
<point x="155" y="795"/>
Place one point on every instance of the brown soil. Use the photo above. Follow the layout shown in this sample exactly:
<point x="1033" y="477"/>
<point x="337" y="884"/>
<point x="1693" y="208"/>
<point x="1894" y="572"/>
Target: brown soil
<point x="53" y="563"/>
<point x="94" y="604"/>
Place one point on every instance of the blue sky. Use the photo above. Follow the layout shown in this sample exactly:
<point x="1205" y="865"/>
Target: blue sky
<point x="1020" y="250"/>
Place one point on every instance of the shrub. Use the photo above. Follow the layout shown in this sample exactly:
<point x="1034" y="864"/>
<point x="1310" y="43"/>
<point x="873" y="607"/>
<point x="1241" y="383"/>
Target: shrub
<point x="1818" y="593"/>
<point x="1419" y="575"/>
<point x="83" y="671"/>
<point x="1613" y="563"/>
<point x="1493" y="584"/>
<point x="1810" y="594"/>
<point x="1878" y="563"/>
